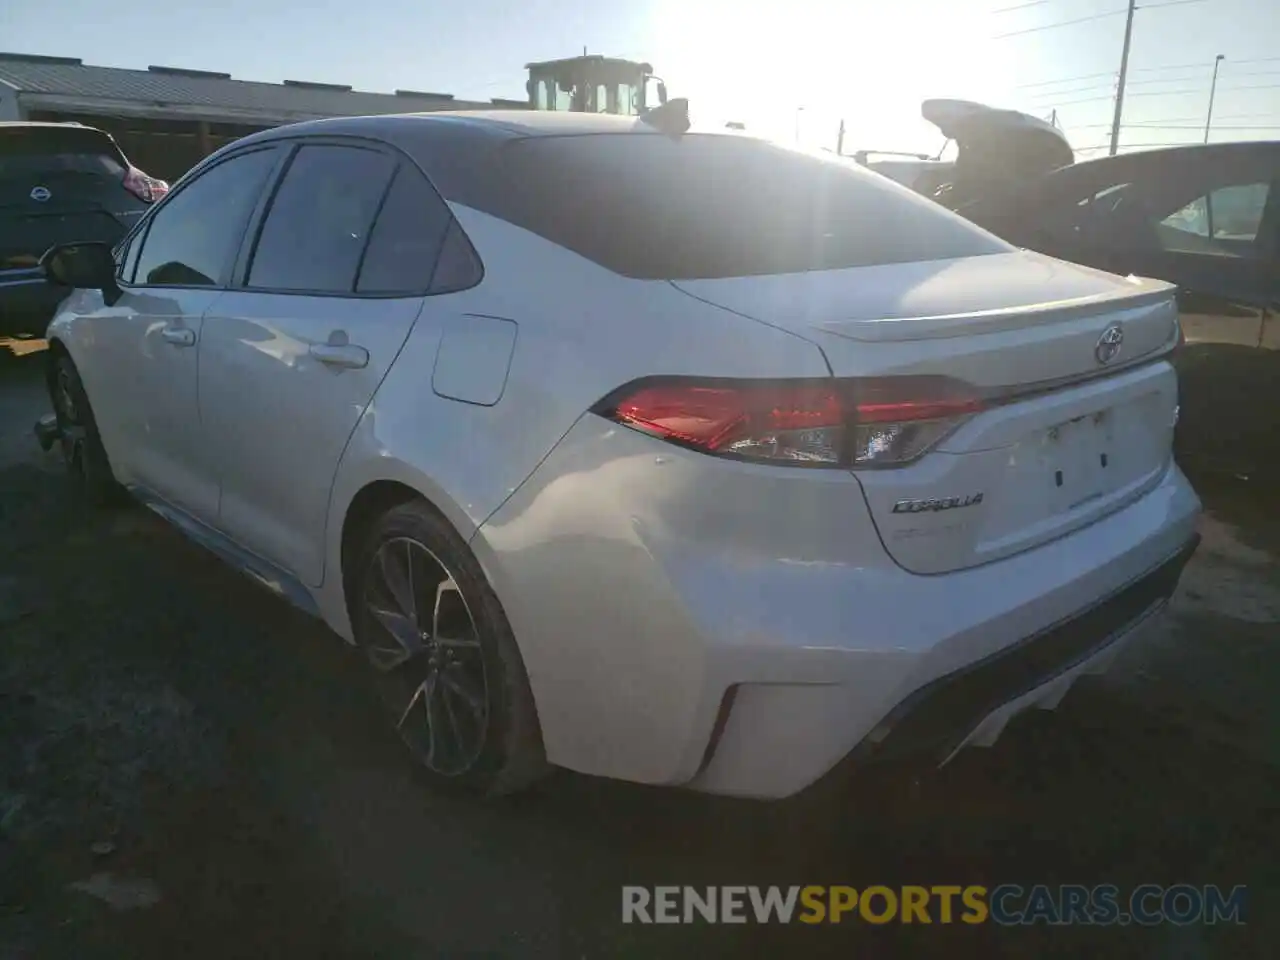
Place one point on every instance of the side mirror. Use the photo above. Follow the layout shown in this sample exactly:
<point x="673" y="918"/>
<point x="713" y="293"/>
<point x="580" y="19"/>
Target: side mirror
<point x="662" y="93"/>
<point x="82" y="266"/>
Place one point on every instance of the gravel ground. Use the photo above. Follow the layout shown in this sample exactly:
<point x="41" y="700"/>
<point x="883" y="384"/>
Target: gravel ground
<point x="186" y="764"/>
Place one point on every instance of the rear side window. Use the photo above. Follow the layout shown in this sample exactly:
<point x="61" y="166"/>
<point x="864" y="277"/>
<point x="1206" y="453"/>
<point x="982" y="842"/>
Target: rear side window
<point x="1223" y="222"/>
<point x="320" y="219"/>
<point x="406" y="238"/>
<point x="707" y="206"/>
<point x="192" y="239"/>
<point x="27" y="152"/>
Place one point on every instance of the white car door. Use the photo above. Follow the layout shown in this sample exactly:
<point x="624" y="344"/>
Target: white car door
<point x="290" y="360"/>
<point x="143" y="376"/>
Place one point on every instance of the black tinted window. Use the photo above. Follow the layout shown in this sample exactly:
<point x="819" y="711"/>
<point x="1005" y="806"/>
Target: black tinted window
<point x="27" y="152"/>
<point x="458" y="266"/>
<point x="406" y="238"/>
<point x="704" y="206"/>
<point x="122" y="254"/>
<point x="318" y="224"/>
<point x="1222" y="222"/>
<point x="1079" y="216"/>
<point x="193" y="238"/>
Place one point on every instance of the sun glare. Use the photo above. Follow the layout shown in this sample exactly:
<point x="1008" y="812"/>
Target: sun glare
<point x="793" y="70"/>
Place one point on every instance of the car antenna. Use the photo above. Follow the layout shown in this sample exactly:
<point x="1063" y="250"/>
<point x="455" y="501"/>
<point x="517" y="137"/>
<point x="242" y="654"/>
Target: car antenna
<point x="671" y="118"/>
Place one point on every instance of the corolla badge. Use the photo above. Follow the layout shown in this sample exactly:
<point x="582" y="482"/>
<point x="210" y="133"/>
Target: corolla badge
<point x="937" y="504"/>
<point x="1109" y="343"/>
<point x="40" y="194"/>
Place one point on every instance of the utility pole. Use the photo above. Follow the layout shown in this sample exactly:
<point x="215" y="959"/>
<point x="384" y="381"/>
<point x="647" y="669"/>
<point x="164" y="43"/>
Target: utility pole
<point x="1124" y="74"/>
<point x="840" y="140"/>
<point x="1213" y="88"/>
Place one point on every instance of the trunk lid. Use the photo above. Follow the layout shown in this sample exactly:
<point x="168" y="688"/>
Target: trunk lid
<point x="58" y="184"/>
<point x="1065" y="438"/>
<point x="995" y="147"/>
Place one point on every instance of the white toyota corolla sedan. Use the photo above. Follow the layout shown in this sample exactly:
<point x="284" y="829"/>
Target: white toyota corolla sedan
<point x="684" y="459"/>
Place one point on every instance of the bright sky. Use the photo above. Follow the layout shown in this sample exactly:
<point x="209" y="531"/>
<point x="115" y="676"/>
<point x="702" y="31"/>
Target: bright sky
<point x="780" y="67"/>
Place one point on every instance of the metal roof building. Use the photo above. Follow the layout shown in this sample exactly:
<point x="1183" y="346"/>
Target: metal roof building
<point x="167" y="118"/>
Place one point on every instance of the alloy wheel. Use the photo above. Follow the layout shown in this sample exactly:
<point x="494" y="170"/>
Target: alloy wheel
<point x="422" y="642"/>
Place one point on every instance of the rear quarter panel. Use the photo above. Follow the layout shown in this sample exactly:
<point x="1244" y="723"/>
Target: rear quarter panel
<point x="581" y="332"/>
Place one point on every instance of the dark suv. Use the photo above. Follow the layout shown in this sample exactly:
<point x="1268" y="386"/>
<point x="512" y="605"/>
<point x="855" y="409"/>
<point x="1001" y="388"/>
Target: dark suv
<point x="59" y="183"/>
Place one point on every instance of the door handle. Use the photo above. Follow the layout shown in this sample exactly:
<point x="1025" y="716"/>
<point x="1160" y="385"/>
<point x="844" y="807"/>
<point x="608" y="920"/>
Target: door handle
<point x="179" y="336"/>
<point x="346" y="355"/>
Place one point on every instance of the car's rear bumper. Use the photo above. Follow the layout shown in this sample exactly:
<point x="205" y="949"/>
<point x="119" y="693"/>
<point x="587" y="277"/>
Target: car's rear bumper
<point x="962" y="707"/>
<point x="669" y="637"/>
<point x="969" y="706"/>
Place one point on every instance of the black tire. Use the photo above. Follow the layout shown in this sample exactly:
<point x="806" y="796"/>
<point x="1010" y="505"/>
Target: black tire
<point x="82" y="450"/>
<point x="504" y="741"/>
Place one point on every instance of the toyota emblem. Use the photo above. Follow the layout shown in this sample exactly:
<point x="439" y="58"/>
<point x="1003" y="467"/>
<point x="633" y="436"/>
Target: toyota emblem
<point x="1109" y="343"/>
<point x="40" y="194"/>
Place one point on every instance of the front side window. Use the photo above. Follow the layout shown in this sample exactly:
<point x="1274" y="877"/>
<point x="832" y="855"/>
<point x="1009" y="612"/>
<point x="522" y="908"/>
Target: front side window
<point x="319" y="221"/>
<point x="120" y="254"/>
<point x="1086" y="217"/>
<point x="192" y="239"/>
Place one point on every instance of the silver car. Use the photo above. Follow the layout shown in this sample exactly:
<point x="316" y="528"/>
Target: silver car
<point x="677" y="457"/>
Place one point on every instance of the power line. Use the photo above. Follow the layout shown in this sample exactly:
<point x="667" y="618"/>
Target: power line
<point x="1089" y="19"/>
<point x="1260" y="86"/>
<point x="1164" y="121"/>
<point x="1071" y="103"/>
<point x="1020" y="6"/>
<point x="1167" y="66"/>
<point x="1175" y="126"/>
<point x="1065" y="23"/>
<point x="1197" y="90"/>
<point x="1158" y="93"/>
<point x="1050" y="95"/>
<point x="1166" y="93"/>
<point x="1252" y="73"/>
<point x="1149" y="93"/>
<point x="1112" y="73"/>
<point x="1179" y="123"/>
<point x="1164" y="80"/>
<point x="1046" y="83"/>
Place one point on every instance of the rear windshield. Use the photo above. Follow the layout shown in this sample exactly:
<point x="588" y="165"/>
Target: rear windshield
<point x="42" y="151"/>
<point x="709" y="206"/>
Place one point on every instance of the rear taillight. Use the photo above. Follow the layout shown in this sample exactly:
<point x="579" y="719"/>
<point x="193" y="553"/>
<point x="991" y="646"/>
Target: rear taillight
<point x="851" y="423"/>
<point x="145" y="188"/>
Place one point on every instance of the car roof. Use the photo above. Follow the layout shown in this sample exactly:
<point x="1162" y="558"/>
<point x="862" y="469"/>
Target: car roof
<point x="1181" y="153"/>
<point x="459" y="125"/>
<point x="44" y="125"/>
<point x="456" y="149"/>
